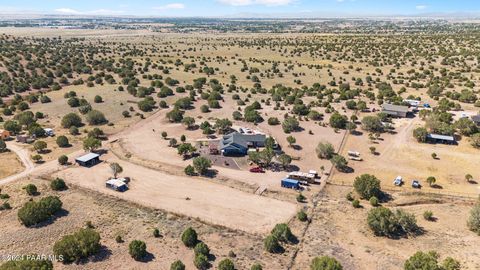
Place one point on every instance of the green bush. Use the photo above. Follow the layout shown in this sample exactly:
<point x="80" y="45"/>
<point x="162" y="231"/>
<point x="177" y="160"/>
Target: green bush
<point x="302" y="216"/>
<point x="189" y="237"/>
<point x="31" y="189"/>
<point x="77" y="246"/>
<point x="428" y="215"/>
<point x="63" y="160"/>
<point x="33" y="212"/>
<point x="226" y="264"/>
<point x="27" y="264"/>
<point x="62" y="141"/>
<point x="201" y="248"/>
<point x="58" y="184"/>
<point x="474" y="219"/>
<point x="271" y="244"/>
<point x="156" y="233"/>
<point x="177" y="265"/>
<point x="256" y="266"/>
<point x="367" y="186"/>
<point x="282" y="232"/>
<point x="201" y="262"/>
<point x="325" y="263"/>
<point x="373" y="201"/>
<point x="137" y="249"/>
<point x="356" y="203"/>
<point x="71" y="120"/>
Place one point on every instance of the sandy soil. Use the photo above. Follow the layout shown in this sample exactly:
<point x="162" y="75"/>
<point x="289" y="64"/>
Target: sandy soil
<point x="112" y="217"/>
<point x="210" y="202"/>
<point x="400" y="154"/>
<point x="341" y="231"/>
<point x="10" y="164"/>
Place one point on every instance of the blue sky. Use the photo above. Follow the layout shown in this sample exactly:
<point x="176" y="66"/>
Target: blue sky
<point x="210" y="8"/>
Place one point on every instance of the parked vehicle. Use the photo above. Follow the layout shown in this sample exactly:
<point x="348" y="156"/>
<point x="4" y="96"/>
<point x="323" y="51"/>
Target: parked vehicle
<point x="426" y="105"/>
<point x="290" y="183"/>
<point x="416" y="184"/>
<point x="257" y="170"/>
<point x="353" y="153"/>
<point x="398" y="181"/>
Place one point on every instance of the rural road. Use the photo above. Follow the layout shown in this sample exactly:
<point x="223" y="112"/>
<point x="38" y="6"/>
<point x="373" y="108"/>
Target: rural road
<point x="24" y="157"/>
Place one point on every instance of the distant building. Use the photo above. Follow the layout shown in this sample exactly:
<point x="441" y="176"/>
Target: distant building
<point x="4" y="134"/>
<point x="395" y="110"/>
<point x="25" y="139"/>
<point x="436" y="138"/>
<point x="88" y="160"/>
<point x="238" y="144"/>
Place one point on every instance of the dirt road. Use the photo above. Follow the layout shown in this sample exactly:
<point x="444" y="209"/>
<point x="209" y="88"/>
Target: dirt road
<point x="24" y="157"/>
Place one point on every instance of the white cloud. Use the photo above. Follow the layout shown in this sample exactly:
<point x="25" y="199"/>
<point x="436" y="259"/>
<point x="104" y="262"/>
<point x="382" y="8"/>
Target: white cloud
<point x="90" y="12"/>
<point x="256" y="2"/>
<point x="171" y="6"/>
<point x="421" y="7"/>
<point x="67" y="11"/>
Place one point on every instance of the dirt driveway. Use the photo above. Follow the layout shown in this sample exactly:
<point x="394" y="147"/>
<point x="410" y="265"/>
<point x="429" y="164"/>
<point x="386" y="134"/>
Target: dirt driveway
<point x="210" y="202"/>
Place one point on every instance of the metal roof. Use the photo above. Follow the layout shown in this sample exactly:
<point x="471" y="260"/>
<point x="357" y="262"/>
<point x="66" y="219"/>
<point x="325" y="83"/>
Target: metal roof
<point x="116" y="182"/>
<point x="87" y="157"/>
<point x="441" y="137"/>
<point x="395" y="108"/>
<point x="288" y="180"/>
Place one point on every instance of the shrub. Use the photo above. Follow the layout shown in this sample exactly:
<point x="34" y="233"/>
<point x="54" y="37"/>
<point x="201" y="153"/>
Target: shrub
<point x="373" y="201"/>
<point x="177" y="265"/>
<point x="338" y="121"/>
<point x="325" y="150"/>
<point x="202" y="164"/>
<point x="226" y="264"/>
<point x="382" y="221"/>
<point x="33" y="212"/>
<point x="256" y="266"/>
<point x="81" y="244"/>
<point x="156" y="233"/>
<point x="189" y="170"/>
<point x="62" y="141"/>
<point x="95" y="117"/>
<point x="290" y="124"/>
<point x="71" y="120"/>
<point x="356" y="203"/>
<point x="422" y="260"/>
<point x="137" y="249"/>
<point x="98" y="99"/>
<point x="367" y="186"/>
<point x="201" y="262"/>
<point x="282" y="232"/>
<point x="58" y="184"/>
<point x="63" y="160"/>
<point x="325" y="263"/>
<point x="271" y="244"/>
<point x="118" y="239"/>
<point x="189" y="237"/>
<point x="474" y="219"/>
<point x="31" y="189"/>
<point x="273" y="121"/>
<point x="26" y="263"/>
<point x="428" y="215"/>
<point x="302" y="216"/>
<point x="301" y="198"/>
<point x="201" y="248"/>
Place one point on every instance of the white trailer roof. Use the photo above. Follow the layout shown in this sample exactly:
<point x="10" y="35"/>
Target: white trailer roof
<point x="87" y="157"/>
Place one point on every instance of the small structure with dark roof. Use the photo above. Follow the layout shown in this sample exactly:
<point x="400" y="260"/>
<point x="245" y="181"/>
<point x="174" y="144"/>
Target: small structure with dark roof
<point x="395" y="110"/>
<point x="437" y="138"/>
<point x="88" y="160"/>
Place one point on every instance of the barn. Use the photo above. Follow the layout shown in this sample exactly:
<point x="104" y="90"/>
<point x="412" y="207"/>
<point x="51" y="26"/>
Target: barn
<point x="395" y="110"/>
<point x="88" y="160"/>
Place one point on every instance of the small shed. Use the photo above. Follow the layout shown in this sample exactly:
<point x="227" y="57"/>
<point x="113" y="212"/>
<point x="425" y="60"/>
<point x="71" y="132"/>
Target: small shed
<point x="88" y="160"/>
<point x="4" y="134"/>
<point x="117" y="185"/>
<point x="395" y="110"/>
<point x="436" y="138"/>
<point x="25" y="139"/>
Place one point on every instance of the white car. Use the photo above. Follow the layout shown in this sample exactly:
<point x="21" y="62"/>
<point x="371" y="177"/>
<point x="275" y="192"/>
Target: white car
<point x="398" y="181"/>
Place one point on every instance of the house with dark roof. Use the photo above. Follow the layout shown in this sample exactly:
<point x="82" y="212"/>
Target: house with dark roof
<point x="437" y="138"/>
<point x="395" y="110"/>
<point x="237" y="144"/>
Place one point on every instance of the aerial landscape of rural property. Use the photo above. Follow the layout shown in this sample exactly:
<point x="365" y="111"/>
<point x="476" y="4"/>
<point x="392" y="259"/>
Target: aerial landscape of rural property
<point x="240" y="134"/>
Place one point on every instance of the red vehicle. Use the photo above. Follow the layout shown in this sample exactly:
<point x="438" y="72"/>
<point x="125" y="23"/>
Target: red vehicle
<point x="257" y="170"/>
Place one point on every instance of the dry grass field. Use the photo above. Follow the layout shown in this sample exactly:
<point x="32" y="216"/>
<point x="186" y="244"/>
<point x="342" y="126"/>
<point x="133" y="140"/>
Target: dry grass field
<point x="10" y="164"/>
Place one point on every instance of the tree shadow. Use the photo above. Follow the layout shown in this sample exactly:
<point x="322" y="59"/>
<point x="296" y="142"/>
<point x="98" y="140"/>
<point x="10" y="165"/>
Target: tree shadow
<point x="436" y="186"/>
<point x="297" y="147"/>
<point x="356" y="133"/>
<point x="52" y="219"/>
<point x="148" y="258"/>
<point x="473" y="182"/>
<point x="103" y="254"/>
